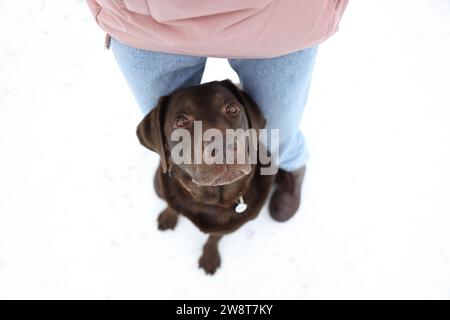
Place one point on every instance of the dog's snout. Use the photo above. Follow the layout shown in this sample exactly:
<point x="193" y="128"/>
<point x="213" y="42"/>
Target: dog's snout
<point x="217" y="150"/>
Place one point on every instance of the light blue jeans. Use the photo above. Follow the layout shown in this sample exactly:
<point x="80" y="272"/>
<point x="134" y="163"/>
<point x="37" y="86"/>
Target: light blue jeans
<point x="278" y="85"/>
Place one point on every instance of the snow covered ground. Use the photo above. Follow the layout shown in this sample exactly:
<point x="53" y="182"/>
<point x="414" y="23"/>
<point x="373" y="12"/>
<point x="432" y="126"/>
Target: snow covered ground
<point x="77" y="207"/>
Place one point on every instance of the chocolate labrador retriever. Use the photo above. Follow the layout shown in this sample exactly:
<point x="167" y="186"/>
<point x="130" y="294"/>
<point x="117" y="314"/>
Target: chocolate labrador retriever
<point x="218" y="197"/>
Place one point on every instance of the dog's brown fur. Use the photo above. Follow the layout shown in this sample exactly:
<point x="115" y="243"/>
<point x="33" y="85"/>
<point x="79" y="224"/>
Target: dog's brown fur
<point x="210" y="208"/>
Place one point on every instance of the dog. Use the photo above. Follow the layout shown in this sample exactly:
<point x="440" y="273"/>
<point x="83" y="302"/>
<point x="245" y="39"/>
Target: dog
<point x="217" y="198"/>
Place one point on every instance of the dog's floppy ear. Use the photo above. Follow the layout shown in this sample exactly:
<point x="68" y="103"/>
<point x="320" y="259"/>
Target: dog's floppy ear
<point x="255" y="116"/>
<point x="150" y="131"/>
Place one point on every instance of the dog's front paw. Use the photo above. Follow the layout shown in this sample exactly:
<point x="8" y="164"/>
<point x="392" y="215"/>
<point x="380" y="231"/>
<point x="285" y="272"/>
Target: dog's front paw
<point x="209" y="261"/>
<point x="167" y="219"/>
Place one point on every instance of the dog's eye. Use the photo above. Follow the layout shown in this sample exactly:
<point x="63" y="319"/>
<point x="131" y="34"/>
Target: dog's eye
<point x="231" y="108"/>
<point x="181" y="122"/>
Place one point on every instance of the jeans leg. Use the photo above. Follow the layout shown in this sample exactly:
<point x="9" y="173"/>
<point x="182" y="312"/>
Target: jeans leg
<point x="152" y="74"/>
<point x="280" y="87"/>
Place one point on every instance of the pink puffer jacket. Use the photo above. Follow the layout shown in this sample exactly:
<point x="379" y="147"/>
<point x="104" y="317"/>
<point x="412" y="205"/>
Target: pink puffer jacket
<point x="220" y="28"/>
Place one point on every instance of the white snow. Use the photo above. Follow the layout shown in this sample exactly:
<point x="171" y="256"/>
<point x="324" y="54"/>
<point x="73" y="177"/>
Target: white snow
<point x="77" y="206"/>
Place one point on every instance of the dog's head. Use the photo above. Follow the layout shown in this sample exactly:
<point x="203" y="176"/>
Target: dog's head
<point x="217" y="105"/>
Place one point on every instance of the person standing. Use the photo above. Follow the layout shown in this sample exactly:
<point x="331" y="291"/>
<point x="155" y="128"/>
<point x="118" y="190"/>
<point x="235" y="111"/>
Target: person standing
<point x="162" y="45"/>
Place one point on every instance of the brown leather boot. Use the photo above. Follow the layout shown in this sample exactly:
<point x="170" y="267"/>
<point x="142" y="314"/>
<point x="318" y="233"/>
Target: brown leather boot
<point x="285" y="200"/>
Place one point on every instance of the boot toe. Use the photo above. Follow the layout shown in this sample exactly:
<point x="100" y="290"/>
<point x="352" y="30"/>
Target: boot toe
<point x="283" y="206"/>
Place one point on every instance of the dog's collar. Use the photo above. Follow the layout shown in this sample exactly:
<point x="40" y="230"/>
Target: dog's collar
<point x="241" y="206"/>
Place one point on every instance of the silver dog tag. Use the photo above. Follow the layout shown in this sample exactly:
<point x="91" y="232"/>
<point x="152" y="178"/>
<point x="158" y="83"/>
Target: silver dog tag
<point x="241" y="206"/>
